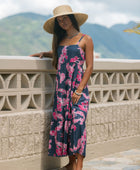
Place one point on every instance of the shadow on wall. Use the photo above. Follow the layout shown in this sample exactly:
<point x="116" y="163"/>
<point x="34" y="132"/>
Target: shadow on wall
<point x="48" y="162"/>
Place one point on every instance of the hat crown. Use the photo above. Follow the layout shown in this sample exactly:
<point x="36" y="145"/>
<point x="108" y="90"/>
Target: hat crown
<point x="63" y="9"/>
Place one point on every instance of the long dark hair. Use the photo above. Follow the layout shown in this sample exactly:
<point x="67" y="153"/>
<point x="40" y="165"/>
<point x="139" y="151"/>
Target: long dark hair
<point x="58" y="36"/>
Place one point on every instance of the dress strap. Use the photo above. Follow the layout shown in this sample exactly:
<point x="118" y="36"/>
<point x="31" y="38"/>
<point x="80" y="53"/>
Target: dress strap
<point x="81" y="38"/>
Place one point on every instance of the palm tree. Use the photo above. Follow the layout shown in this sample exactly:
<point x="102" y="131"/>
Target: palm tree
<point x="134" y="29"/>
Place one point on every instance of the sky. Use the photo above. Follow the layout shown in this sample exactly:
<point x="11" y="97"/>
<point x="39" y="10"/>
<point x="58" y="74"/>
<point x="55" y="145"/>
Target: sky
<point x="103" y="12"/>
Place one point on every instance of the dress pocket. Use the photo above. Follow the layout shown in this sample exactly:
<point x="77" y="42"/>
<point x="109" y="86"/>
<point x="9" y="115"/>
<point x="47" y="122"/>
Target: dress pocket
<point x="81" y="99"/>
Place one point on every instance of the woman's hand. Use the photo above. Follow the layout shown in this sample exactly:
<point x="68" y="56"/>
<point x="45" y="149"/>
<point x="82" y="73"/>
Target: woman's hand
<point x="40" y="55"/>
<point x="43" y="54"/>
<point x="75" y="98"/>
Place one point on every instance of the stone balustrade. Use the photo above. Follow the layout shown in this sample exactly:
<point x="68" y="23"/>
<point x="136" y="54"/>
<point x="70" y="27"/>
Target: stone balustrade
<point x="26" y="100"/>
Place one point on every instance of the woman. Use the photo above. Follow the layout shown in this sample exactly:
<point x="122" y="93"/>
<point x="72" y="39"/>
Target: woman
<point x="70" y="48"/>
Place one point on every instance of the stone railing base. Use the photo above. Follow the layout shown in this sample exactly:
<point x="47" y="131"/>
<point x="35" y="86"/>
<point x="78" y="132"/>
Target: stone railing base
<point x="43" y="162"/>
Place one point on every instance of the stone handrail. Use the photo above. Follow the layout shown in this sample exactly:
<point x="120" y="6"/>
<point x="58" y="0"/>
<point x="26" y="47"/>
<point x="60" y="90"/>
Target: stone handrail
<point x="24" y="79"/>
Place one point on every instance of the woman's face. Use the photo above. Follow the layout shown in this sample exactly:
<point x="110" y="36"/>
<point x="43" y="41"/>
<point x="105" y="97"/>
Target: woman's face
<point x="64" y="22"/>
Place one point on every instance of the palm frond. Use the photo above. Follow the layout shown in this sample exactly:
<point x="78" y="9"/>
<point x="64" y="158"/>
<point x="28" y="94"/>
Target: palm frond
<point x="134" y="29"/>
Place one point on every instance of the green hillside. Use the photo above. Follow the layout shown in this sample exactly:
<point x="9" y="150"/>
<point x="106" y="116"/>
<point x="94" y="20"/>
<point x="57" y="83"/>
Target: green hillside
<point x="133" y="39"/>
<point x="23" y="34"/>
<point x="111" y="43"/>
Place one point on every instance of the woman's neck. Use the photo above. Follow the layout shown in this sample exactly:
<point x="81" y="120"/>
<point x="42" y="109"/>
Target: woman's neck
<point x="71" y="32"/>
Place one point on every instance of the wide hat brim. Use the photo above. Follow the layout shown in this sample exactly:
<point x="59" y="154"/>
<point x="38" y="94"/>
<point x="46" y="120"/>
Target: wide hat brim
<point x="49" y="24"/>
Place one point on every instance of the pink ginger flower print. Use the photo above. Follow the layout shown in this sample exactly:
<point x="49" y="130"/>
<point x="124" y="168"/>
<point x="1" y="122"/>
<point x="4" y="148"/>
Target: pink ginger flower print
<point x="85" y="96"/>
<point x="64" y="52"/>
<point x="83" y="107"/>
<point x="67" y="125"/>
<point x="62" y="58"/>
<point x="59" y="151"/>
<point x="59" y="107"/>
<point x="74" y="59"/>
<point x="69" y="115"/>
<point x="62" y="77"/>
<point x="73" y="84"/>
<point x="81" y="118"/>
<point x="63" y="91"/>
<point x="60" y="125"/>
<point x="71" y="149"/>
<point x="60" y="116"/>
<point x="73" y="127"/>
<point x="59" y="144"/>
<point x="83" y="142"/>
<point x="55" y="115"/>
<point x="79" y="143"/>
<point x="50" y="141"/>
<point x="70" y="69"/>
<point x="65" y="101"/>
<point x="65" y="149"/>
<point x="52" y="132"/>
<point x="68" y="81"/>
<point x="79" y="77"/>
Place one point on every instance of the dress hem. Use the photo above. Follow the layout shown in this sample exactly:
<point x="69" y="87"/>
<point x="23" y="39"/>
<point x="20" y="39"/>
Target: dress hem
<point x="65" y="155"/>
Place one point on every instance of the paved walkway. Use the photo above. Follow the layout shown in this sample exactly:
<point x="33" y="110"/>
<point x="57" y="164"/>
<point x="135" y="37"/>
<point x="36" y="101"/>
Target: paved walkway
<point x="126" y="160"/>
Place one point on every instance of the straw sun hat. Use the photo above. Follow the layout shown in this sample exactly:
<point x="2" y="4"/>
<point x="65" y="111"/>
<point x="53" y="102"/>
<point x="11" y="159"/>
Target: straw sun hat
<point x="63" y="10"/>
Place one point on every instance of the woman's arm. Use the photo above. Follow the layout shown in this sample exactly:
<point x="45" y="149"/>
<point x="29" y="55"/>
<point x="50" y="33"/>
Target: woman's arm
<point x="43" y="54"/>
<point x="89" y="48"/>
<point x="48" y="54"/>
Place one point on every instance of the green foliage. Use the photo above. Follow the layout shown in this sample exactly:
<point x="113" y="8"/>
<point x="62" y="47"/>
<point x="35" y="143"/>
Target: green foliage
<point x="134" y="29"/>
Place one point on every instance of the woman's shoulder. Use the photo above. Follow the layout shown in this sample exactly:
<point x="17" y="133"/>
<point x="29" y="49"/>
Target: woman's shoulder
<point x="86" y="37"/>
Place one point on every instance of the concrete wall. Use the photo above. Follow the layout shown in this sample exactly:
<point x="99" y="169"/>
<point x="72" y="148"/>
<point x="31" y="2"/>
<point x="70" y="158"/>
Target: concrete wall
<point x="26" y="100"/>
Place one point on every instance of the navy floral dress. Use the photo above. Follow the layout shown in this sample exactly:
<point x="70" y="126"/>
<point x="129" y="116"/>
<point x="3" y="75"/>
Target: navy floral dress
<point x="68" y="129"/>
